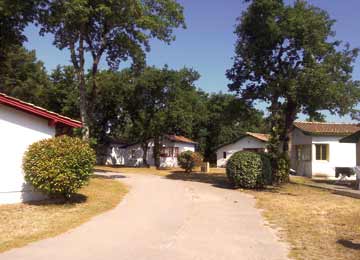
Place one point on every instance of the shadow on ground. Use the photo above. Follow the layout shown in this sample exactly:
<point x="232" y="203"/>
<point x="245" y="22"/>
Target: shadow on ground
<point x="349" y="244"/>
<point x="346" y="183"/>
<point x="217" y="180"/>
<point x="73" y="200"/>
<point x="109" y="176"/>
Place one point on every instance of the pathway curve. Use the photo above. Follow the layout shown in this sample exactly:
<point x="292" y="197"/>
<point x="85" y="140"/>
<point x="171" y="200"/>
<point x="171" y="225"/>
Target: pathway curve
<point x="166" y="219"/>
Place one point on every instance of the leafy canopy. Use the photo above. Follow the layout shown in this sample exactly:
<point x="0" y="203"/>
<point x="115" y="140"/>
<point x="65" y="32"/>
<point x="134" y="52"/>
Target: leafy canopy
<point x="287" y="54"/>
<point x="120" y="28"/>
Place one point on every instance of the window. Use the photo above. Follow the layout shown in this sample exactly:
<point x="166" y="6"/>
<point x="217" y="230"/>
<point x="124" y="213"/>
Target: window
<point x="176" y="151"/>
<point x="322" y="152"/>
<point x="303" y="152"/>
<point x="224" y="155"/>
<point x="169" y="151"/>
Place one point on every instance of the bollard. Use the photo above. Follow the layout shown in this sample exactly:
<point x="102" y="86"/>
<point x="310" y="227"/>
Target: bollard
<point x="205" y="167"/>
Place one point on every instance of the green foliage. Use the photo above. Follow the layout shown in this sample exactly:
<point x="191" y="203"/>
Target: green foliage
<point x="249" y="170"/>
<point x="58" y="166"/>
<point x="118" y="29"/>
<point x="281" y="169"/>
<point x="14" y="17"/>
<point x="226" y="117"/>
<point x="24" y="77"/>
<point x="188" y="160"/>
<point x="62" y="94"/>
<point x="162" y="101"/>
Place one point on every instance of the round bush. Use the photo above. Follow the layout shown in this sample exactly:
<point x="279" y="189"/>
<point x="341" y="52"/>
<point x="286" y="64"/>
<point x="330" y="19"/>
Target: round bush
<point x="249" y="170"/>
<point x="188" y="160"/>
<point x="58" y="166"/>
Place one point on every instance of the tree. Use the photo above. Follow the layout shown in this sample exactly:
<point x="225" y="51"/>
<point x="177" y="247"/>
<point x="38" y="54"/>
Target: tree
<point x="24" y="77"/>
<point x="228" y="117"/>
<point x="162" y="103"/>
<point x="110" y="116"/>
<point x="286" y="56"/>
<point x="61" y="94"/>
<point x="14" y="17"/>
<point x="118" y="30"/>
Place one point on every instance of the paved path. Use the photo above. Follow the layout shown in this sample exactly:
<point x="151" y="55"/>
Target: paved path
<point x="169" y="220"/>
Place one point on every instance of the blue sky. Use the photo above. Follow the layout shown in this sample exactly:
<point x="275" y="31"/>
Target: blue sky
<point x="207" y="44"/>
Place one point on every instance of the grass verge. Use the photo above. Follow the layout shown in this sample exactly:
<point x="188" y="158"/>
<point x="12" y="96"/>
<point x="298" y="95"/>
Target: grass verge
<point x="151" y="170"/>
<point x="316" y="223"/>
<point x="23" y="223"/>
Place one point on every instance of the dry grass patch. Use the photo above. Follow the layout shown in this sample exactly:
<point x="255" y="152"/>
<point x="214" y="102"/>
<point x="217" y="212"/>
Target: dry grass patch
<point x="151" y="170"/>
<point x="135" y="170"/>
<point x="21" y="224"/>
<point x="317" y="223"/>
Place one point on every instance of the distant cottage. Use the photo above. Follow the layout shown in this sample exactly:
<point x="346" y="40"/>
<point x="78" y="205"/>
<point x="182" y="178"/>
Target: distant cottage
<point x="132" y="154"/>
<point x="255" y="142"/>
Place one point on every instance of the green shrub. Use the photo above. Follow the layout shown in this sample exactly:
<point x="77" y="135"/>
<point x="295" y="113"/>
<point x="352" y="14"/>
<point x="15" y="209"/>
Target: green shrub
<point x="58" y="166"/>
<point x="249" y="170"/>
<point x="281" y="169"/>
<point x="188" y="160"/>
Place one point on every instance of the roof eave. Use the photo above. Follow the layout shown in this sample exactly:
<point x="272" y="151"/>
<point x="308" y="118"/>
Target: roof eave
<point x="56" y="119"/>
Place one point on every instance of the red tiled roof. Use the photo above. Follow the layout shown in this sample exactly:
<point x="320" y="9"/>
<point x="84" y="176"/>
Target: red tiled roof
<point x="319" y="128"/>
<point x="261" y="137"/>
<point x="180" y="138"/>
<point x="53" y="117"/>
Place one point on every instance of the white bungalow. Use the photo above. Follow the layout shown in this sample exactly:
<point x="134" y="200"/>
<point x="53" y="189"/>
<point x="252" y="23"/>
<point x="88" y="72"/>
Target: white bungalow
<point x="248" y="142"/>
<point x="132" y="155"/>
<point x="316" y="149"/>
<point x="22" y="124"/>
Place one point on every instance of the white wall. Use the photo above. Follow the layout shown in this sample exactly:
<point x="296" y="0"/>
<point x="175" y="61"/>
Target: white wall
<point x="340" y="155"/>
<point x="230" y="149"/>
<point x="303" y="168"/>
<point x="17" y="131"/>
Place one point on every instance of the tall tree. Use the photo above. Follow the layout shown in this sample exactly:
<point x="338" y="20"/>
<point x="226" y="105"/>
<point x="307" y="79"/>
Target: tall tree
<point x="118" y="30"/>
<point x="162" y="103"/>
<point x="286" y="56"/>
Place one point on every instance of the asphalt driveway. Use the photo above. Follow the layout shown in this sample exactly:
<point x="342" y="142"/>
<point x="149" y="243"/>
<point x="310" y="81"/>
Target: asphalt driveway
<point x="166" y="219"/>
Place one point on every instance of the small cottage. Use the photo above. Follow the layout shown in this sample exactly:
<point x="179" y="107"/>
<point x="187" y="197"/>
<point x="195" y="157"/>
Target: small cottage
<point x="132" y="154"/>
<point x="22" y="124"/>
<point x="316" y="149"/>
<point x="255" y="142"/>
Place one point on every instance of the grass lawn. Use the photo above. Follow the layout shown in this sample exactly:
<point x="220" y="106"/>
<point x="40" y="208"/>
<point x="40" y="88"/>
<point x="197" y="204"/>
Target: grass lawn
<point x="21" y="224"/>
<point x="150" y="170"/>
<point x="316" y="223"/>
<point x="134" y="170"/>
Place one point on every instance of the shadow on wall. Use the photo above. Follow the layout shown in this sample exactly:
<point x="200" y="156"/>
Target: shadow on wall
<point x="32" y="197"/>
<point x="29" y="194"/>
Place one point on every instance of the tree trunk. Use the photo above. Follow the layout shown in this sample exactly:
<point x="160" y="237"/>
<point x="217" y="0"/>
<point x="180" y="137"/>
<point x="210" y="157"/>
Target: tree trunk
<point x="78" y="61"/>
<point x="144" y="147"/>
<point x="157" y="151"/>
<point x="290" y="116"/>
